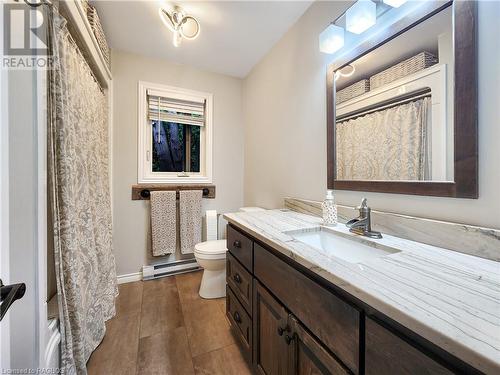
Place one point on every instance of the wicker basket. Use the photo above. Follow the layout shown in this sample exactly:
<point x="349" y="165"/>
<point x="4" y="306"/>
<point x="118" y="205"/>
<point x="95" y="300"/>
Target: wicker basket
<point x="96" y="26"/>
<point x="404" y="68"/>
<point x="349" y="92"/>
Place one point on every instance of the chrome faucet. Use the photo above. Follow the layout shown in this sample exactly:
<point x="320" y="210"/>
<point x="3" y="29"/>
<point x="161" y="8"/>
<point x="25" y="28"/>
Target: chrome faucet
<point x="362" y="224"/>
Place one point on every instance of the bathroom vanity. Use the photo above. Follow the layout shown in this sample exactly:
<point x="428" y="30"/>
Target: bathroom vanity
<point x="297" y="308"/>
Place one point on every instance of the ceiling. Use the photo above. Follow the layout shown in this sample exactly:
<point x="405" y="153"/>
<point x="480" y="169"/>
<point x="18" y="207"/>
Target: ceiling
<point x="235" y="35"/>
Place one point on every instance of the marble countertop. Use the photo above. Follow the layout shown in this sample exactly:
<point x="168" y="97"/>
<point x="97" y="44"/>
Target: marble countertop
<point x="451" y="299"/>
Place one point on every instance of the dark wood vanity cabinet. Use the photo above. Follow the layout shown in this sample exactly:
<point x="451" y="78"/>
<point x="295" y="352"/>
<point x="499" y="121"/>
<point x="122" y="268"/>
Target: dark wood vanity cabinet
<point x="289" y="322"/>
<point x="283" y="345"/>
<point x="335" y="322"/>
<point x="264" y="293"/>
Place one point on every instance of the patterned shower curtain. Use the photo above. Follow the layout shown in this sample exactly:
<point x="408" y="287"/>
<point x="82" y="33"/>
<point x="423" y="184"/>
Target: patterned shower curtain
<point x="79" y="198"/>
<point x="391" y="144"/>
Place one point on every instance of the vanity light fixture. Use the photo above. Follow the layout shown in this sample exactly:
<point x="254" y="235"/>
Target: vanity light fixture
<point x="395" y="3"/>
<point x="346" y="71"/>
<point x="331" y="39"/>
<point x="181" y="24"/>
<point x="361" y="16"/>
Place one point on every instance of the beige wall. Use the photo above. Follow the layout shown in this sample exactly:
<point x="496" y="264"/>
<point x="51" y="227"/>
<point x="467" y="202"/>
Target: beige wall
<point x="285" y="126"/>
<point x="131" y="218"/>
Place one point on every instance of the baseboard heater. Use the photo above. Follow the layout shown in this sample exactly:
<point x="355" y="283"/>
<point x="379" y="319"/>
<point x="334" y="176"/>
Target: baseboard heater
<point x="169" y="268"/>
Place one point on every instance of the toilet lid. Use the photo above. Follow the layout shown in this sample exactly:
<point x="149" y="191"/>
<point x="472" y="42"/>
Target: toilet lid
<point x="211" y="247"/>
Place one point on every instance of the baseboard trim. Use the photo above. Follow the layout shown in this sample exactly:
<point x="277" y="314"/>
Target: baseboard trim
<point x="129" y="277"/>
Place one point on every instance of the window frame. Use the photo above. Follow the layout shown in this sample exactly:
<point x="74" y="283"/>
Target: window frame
<point x="145" y="174"/>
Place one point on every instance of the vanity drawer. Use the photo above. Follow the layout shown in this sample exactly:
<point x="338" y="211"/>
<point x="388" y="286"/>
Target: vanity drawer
<point x="240" y="281"/>
<point x="386" y="353"/>
<point x="335" y="322"/>
<point x="240" y="246"/>
<point x="241" y="323"/>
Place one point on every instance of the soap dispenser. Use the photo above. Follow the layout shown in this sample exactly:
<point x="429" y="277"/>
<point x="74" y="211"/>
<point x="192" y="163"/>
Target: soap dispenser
<point x="329" y="209"/>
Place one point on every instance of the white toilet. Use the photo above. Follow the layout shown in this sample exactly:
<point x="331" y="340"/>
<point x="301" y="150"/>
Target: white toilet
<point x="211" y="256"/>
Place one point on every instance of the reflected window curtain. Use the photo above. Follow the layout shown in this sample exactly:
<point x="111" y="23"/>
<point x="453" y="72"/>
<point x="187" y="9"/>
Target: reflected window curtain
<point x="391" y="144"/>
<point x="79" y="190"/>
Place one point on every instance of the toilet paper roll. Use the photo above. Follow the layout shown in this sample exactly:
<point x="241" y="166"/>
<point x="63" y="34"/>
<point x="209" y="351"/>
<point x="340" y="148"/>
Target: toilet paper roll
<point x="211" y="225"/>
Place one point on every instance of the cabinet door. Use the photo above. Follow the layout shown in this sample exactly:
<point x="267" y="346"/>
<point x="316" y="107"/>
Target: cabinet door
<point x="271" y="351"/>
<point x="333" y="321"/>
<point x="309" y="356"/>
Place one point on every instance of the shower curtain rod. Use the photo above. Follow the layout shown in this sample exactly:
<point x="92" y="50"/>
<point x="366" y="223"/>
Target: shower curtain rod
<point x="386" y="105"/>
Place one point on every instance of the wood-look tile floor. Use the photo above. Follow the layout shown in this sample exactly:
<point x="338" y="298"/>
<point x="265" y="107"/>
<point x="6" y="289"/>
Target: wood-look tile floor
<point x="164" y="327"/>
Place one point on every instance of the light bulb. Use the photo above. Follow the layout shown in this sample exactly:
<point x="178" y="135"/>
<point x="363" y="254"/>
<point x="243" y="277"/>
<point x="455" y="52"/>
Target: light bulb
<point x="331" y="39"/>
<point x="361" y="16"/>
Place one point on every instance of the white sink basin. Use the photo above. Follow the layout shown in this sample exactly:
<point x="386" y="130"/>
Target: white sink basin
<point x="345" y="248"/>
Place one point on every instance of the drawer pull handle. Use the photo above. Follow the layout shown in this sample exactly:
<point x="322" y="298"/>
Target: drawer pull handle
<point x="237" y="244"/>
<point x="237" y="317"/>
<point x="237" y="278"/>
<point x="288" y="339"/>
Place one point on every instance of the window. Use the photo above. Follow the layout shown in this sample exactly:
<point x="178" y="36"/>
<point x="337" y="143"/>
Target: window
<point x="175" y="135"/>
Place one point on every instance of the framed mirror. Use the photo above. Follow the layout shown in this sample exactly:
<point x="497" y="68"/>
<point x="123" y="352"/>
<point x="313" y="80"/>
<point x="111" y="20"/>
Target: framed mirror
<point x="402" y="107"/>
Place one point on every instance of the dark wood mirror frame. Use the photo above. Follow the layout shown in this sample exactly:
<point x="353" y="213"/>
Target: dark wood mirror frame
<point x="465" y="184"/>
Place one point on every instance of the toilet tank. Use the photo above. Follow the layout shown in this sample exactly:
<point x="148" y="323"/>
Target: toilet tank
<point x="251" y="209"/>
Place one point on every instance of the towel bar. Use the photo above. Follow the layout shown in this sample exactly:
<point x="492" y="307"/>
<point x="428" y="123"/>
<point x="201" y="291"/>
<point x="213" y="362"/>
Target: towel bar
<point x="143" y="191"/>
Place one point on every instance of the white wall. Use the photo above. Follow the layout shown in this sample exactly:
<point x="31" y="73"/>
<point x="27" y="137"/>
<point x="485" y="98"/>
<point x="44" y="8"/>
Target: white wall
<point x="285" y="126"/>
<point x="4" y="202"/>
<point x="24" y="315"/>
<point x="131" y="218"/>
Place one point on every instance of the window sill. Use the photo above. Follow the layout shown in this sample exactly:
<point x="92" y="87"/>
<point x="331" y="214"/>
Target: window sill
<point x="176" y="180"/>
<point x="141" y="191"/>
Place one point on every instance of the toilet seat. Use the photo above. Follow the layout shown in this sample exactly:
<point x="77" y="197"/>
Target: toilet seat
<point x="211" y="249"/>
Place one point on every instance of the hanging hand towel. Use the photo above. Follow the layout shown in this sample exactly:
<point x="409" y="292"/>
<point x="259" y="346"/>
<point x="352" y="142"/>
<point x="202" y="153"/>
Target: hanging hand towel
<point x="163" y="222"/>
<point x="190" y="218"/>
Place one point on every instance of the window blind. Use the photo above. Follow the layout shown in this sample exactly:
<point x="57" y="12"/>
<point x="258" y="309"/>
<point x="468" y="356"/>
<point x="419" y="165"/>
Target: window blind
<point x="183" y="110"/>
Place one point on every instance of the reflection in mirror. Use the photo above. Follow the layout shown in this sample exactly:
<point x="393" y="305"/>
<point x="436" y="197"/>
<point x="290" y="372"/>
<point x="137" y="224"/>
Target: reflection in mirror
<point x="394" y="108"/>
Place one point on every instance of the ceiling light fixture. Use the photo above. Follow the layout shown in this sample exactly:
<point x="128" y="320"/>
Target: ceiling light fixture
<point x="353" y="27"/>
<point x="181" y="24"/>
